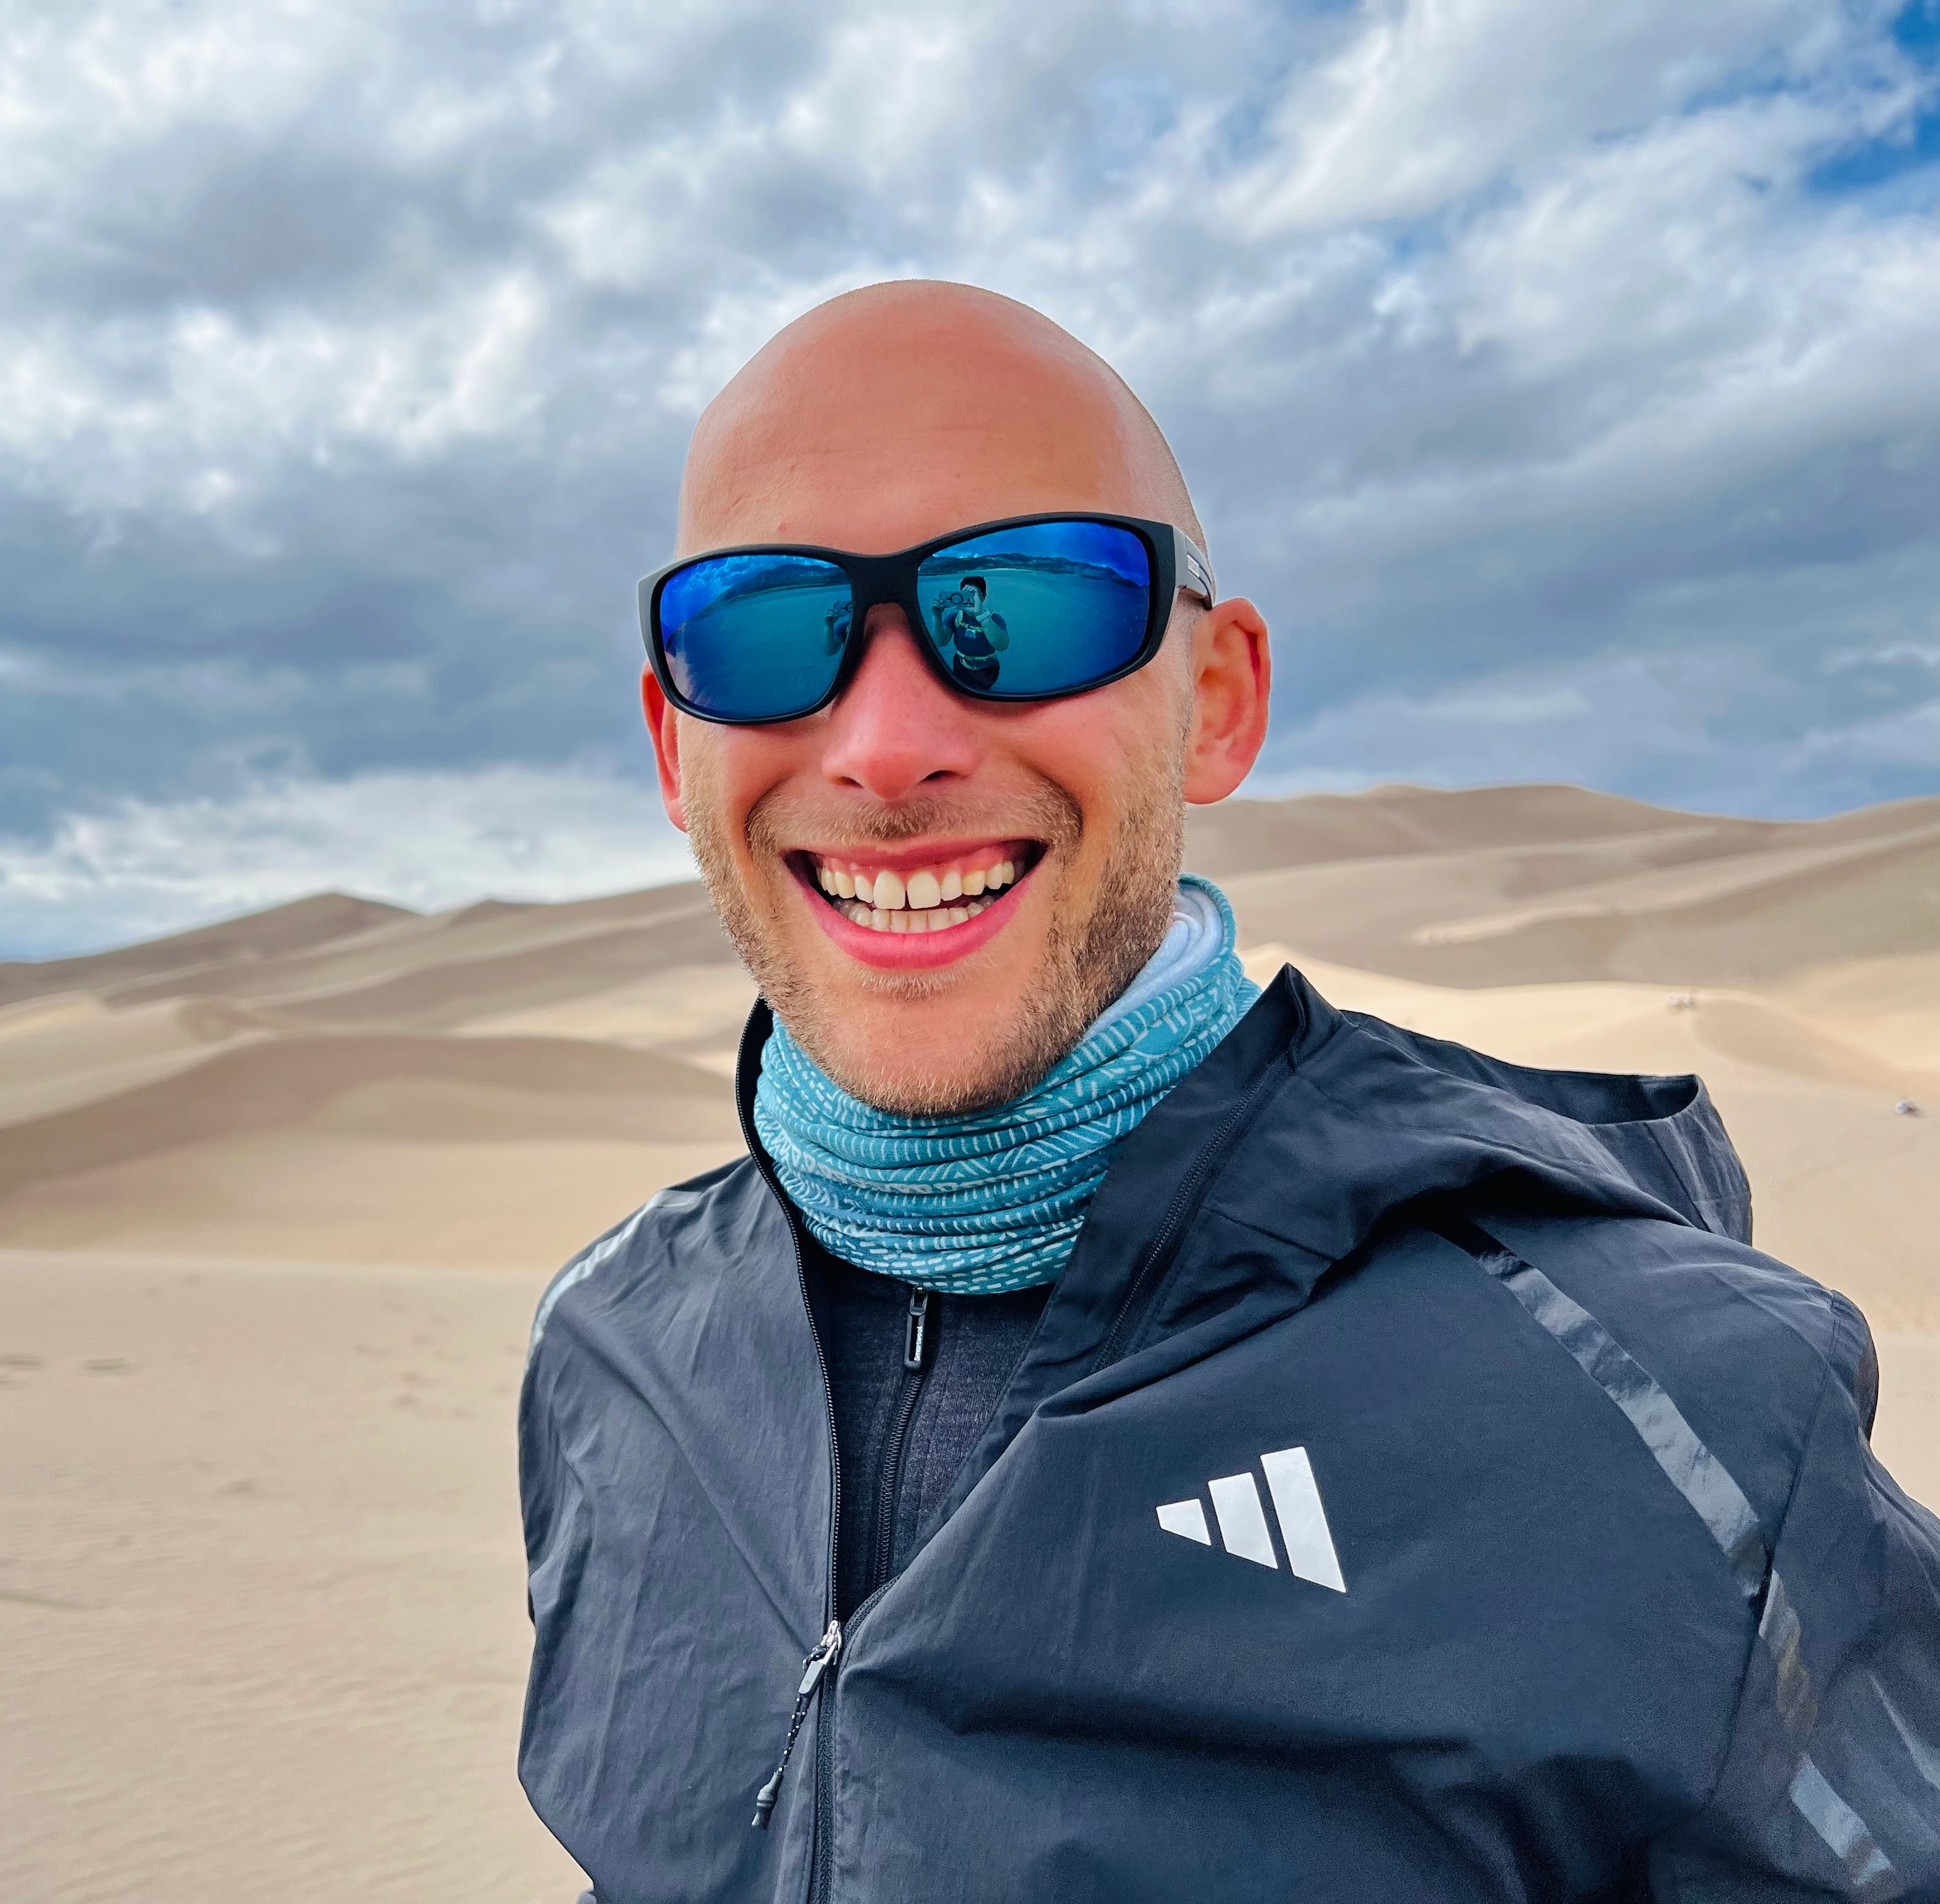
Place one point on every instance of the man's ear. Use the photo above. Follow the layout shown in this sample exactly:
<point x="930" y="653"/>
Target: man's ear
<point x="1232" y="680"/>
<point x="663" y="724"/>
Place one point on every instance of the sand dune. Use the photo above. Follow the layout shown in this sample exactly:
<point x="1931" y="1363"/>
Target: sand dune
<point x="1252" y="836"/>
<point x="293" y="1047"/>
<point x="406" y="1089"/>
<point x="1649" y="905"/>
<point x="290" y="1182"/>
<point x="298" y="925"/>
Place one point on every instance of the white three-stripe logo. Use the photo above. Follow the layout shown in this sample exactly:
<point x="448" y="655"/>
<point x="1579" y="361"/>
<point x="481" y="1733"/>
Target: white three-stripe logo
<point x="1241" y="1516"/>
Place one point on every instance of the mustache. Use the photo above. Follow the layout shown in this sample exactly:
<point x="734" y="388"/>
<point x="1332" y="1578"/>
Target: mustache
<point x="1048" y="813"/>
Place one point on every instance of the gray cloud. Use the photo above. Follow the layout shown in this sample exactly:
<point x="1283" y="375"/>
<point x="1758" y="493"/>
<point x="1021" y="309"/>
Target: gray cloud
<point x="1560" y="380"/>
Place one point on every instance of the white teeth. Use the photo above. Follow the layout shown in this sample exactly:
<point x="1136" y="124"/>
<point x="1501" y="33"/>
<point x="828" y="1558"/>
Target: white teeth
<point x="935" y="919"/>
<point x="886" y="900"/>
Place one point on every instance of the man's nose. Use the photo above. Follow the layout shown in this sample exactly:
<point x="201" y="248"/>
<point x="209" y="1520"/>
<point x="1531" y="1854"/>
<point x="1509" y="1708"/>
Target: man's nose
<point x="896" y="725"/>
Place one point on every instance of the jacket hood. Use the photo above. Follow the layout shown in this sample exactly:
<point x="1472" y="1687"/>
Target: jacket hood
<point x="1308" y="1128"/>
<point x="1388" y="1115"/>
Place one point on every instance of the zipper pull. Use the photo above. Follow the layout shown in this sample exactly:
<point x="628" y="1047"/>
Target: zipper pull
<point x="915" y="1340"/>
<point x="812" y="1668"/>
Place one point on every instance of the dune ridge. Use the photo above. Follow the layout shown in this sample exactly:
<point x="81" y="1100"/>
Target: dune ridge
<point x="1796" y="964"/>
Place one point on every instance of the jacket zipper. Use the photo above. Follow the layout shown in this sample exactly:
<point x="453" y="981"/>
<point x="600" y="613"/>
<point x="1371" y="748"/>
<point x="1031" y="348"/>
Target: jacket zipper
<point x="919" y="1336"/>
<point x="1164" y="1245"/>
<point x="916" y="1334"/>
<point x="817" y="1663"/>
<point x="830" y="1645"/>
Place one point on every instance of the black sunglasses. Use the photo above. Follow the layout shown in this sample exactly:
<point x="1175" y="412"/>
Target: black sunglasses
<point x="1032" y="608"/>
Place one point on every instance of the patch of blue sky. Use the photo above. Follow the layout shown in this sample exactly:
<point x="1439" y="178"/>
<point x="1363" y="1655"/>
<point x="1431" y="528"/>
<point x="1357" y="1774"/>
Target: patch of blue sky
<point x="1870" y="164"/>
<point x="1244" y="134"/>
<point x="1916" y="32"/>
<point x="1132" y="112"/>
<point x="1882" y="166"/>
<point x="1408" y="240"/>
<point x="1431" y="234"/>
<point x="1250" y="124"/>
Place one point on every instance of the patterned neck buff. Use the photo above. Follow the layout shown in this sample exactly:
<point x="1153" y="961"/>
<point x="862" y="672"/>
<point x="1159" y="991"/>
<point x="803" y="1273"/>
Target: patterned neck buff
<point x="992" y="1201"/>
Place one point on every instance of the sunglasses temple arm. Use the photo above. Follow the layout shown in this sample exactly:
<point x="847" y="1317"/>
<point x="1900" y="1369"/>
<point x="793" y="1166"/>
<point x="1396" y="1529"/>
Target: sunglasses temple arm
<point x="1194" y="572"/>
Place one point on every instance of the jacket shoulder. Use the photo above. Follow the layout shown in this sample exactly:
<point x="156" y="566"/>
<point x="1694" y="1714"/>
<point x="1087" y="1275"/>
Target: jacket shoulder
<point x="1709" y="1346"/>
<point x="1688" y="1293"/>
<point x="655" y="1241"/>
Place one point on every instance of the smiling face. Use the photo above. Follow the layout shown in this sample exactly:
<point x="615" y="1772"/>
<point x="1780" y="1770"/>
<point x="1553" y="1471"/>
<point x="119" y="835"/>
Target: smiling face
<point x="937" y="895"/>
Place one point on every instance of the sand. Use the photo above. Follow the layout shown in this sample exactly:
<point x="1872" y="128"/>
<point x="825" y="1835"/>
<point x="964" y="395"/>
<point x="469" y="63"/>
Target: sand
<point x="276" y="1197"/>
<point x="261" y="1586"/>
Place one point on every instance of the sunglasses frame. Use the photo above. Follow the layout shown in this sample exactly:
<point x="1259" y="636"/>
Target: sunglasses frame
<point x="1177" y="562"/>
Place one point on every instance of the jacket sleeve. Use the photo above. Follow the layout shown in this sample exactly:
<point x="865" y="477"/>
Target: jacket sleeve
<point x="1830" y="1785"/>
<point x="538" y="1457"/>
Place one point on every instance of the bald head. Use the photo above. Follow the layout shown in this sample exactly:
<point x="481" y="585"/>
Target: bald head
<point x="901" y="411"/>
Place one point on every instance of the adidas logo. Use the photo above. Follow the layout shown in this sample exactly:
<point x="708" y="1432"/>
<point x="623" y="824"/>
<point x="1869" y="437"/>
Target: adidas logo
<point x="1241" y="1516"/>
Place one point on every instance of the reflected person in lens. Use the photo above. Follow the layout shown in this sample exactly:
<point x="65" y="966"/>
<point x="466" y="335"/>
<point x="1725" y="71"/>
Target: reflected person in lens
<point x="973" y="633"/>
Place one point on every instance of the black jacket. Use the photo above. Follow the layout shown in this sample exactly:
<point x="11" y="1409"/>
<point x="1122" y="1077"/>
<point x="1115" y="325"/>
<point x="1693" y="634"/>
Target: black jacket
<point x="1416" y="1487"/>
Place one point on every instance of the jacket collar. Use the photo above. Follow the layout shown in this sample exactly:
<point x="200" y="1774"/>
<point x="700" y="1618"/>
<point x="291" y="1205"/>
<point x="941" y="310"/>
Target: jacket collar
<point x="1282" y="1154"/>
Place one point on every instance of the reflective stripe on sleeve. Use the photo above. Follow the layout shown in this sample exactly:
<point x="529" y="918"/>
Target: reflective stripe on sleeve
<point x="1720" y="1503"/>
<point x="1690" y="1467"/>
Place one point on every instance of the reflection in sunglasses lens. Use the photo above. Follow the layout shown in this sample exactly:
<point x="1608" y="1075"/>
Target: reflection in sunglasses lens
<point x="755" y="637"/>
<point x="1042" y="609"/>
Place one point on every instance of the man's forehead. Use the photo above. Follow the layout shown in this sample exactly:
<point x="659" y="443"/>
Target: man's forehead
<point x="880" y="420"/>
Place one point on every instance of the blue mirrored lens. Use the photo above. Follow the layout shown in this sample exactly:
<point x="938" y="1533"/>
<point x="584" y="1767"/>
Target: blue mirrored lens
<point x="1048" y="608"/>
<point x="754" y="637"/>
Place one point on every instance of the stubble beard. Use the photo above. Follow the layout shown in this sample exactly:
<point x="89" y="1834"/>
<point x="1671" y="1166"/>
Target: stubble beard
<point x="1084" y="965"/>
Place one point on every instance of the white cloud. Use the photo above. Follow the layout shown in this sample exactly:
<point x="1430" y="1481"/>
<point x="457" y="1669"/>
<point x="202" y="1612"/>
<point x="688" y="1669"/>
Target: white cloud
<point x="203" y="413"/>
<point x="1431" y="100"/>
<point x="426" y="841"/>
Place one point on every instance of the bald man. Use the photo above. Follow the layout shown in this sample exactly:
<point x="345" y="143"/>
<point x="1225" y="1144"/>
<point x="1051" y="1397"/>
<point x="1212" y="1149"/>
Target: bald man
<point x="1119" y="1434"/>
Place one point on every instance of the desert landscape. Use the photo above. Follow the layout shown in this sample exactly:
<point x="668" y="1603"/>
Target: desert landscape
<point x="277" y="1196"/>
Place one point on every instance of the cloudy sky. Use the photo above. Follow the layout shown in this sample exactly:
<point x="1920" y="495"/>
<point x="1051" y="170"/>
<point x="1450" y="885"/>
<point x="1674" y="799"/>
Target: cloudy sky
<point x="1563" y="379"/>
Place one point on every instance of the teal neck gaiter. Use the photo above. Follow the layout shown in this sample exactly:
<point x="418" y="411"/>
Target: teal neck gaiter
<point x="993" y="1200"/>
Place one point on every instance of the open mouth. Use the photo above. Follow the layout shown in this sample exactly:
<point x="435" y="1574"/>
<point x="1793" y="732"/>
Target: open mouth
<point x="931" y="897"/>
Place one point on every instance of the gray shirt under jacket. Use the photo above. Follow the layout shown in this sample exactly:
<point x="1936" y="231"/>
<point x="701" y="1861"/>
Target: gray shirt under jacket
<point x="1414" y="1487"/>
<point x="914" y="1377"/>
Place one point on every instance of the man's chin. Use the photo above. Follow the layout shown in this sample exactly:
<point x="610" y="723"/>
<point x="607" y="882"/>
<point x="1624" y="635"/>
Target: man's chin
<point x="943" y="1087"/>
<point x="926" y="1043"/>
